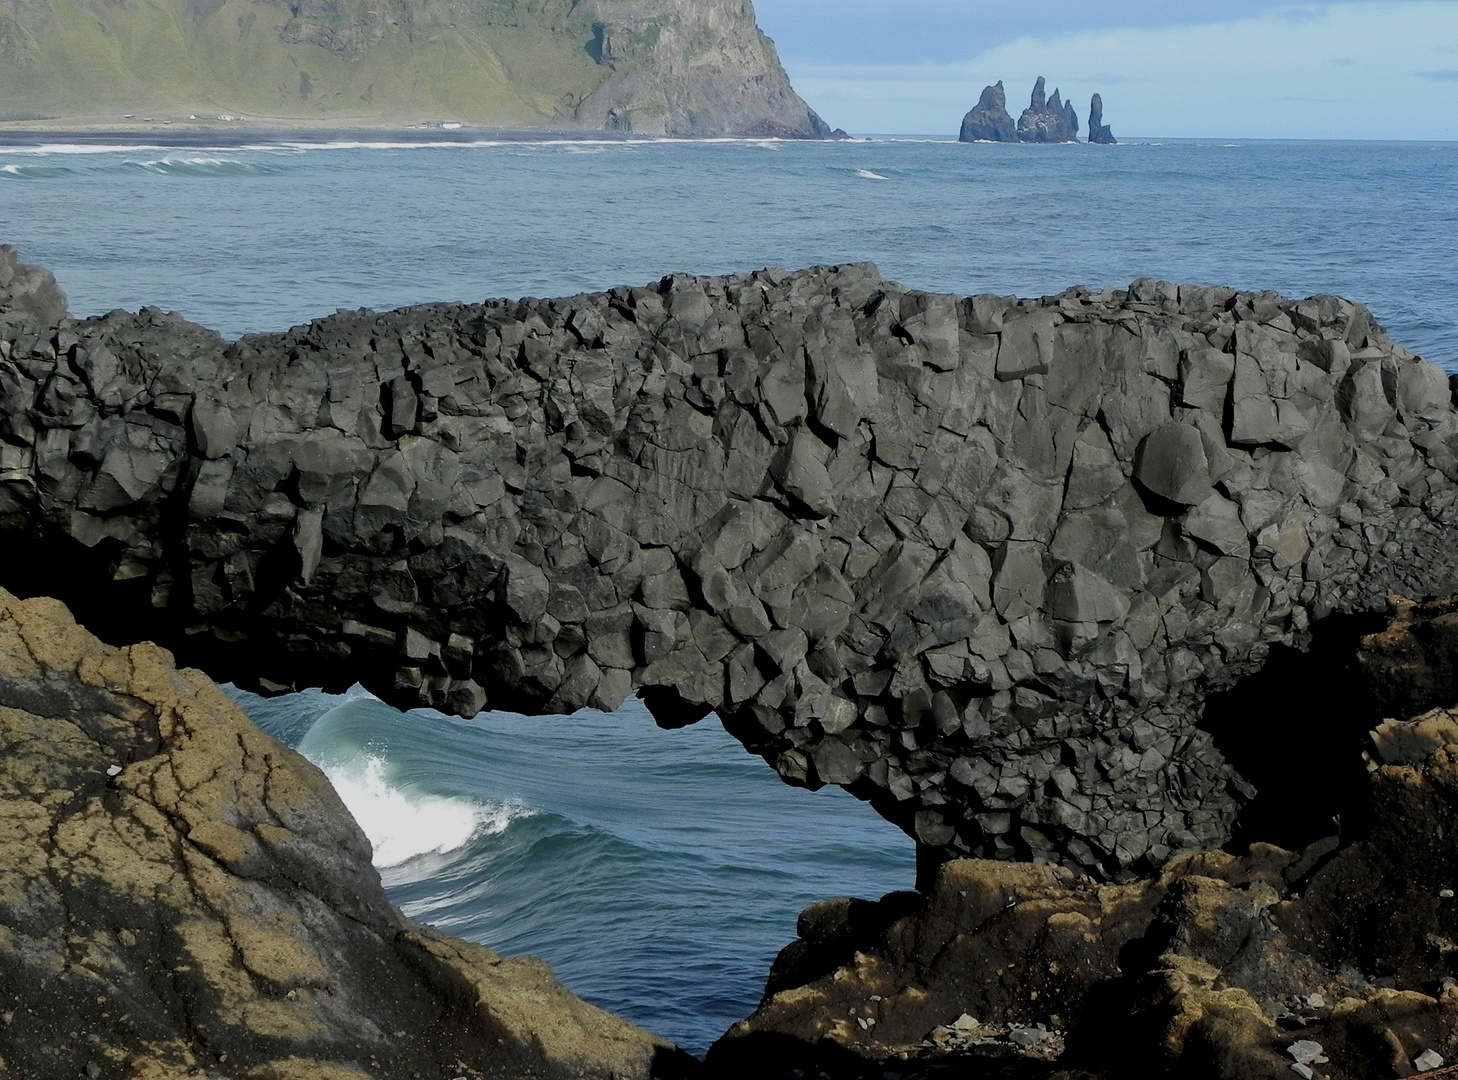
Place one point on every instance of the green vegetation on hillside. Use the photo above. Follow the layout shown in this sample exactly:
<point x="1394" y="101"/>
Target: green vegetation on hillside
<point x="352" y="58"/>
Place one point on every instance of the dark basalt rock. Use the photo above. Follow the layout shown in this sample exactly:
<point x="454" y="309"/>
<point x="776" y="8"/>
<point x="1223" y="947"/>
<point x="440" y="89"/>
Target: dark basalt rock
<point x="989" y="121"/>
<point x="1222" y="965"/>
<point x="1098" y="131"/>
<point x="981" y="561"/>
<point x="1048" y="120"/>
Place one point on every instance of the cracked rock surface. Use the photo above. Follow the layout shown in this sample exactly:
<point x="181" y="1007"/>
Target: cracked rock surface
<point x="980" y="561"/>
<point x="180" y="895"/>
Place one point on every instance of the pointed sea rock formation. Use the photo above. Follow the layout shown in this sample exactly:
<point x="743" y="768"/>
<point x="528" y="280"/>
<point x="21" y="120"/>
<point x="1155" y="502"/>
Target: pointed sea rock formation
<point x="990" y="120"/>
<point x="1098" y="131"/>
<point x="1047" y="120"/>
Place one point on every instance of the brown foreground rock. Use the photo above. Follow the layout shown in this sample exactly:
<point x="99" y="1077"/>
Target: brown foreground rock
<point x="181" y="895"/>
<point x="1341" y="959"/>
<point x="1412" y="665"/>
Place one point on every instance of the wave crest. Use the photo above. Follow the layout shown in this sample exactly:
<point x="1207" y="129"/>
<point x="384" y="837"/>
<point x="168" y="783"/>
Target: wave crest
<point x="404" y="825"/>
<point x="32" y="172"/>
<point x="198" y="166"/>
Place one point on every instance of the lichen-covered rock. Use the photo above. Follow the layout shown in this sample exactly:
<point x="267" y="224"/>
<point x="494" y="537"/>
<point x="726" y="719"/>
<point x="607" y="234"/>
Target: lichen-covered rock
<point x="181" y="895"/>
<point x="1215" y="968"/>
<point x="982" y="561"/>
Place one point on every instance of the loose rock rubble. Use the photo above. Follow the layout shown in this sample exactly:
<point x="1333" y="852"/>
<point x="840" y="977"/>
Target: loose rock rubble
<point x="981" y="561"/>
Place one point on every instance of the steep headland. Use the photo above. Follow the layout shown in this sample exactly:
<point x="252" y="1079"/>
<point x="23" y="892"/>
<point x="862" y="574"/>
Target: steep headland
<point x="644" y="67"/>
<point x="984" y="562"/>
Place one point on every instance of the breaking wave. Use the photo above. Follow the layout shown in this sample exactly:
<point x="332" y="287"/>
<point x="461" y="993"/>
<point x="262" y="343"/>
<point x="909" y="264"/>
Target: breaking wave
<point x="198" y="166"/>
<point x="403" y="825"/>
<point x="371" y="758"/>
<point x="32" y="172"/>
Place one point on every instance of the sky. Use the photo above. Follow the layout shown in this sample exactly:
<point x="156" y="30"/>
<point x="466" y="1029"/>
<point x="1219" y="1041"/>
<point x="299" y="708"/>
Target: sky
<point x="1382" y="69"/>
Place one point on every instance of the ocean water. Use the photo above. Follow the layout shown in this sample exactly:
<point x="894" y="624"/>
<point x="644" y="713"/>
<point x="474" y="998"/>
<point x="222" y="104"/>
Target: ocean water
<point x="659" y="872"/>
<point x="263" y="234"/>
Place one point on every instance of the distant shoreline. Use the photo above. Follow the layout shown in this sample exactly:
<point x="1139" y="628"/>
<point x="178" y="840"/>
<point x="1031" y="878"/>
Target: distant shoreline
<point x="173" y="136"/>
<point x="237" y="134"/>
<point x="177" y="135"/>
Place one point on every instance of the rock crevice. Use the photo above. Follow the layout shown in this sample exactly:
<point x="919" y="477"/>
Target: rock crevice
<point x="981" y="561"/>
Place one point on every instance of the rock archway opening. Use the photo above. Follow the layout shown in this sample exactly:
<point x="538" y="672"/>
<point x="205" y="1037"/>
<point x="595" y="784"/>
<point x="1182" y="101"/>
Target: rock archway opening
<point x="658" y="871"/>
<point x="980" y="561"/>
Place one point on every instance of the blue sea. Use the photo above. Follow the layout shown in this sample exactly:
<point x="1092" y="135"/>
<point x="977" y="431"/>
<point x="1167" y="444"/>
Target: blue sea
<point x="660" y="871"/>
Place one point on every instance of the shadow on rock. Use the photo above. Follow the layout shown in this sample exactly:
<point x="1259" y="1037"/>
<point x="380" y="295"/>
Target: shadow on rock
<point x="1295" y="731"/>
<point x="774" y="1056"/>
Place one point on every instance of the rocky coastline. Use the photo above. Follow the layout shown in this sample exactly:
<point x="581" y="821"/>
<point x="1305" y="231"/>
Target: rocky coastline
<point x="1008" y="569"/>
<point x="981" y="561"/>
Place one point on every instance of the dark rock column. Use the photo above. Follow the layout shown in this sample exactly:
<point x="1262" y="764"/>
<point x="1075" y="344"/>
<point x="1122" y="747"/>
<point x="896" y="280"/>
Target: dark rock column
<point x="1046" y="120"/>
<point x="1098" y="131"/>
<point x="989" y="121"/>
<point x="980" y="561"/>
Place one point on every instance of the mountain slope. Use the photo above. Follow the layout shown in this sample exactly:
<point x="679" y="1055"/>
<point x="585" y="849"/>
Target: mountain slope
<point x="648" y="67"/>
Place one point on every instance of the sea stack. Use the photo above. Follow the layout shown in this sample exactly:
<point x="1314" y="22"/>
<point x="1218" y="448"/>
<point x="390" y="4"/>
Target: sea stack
<point x="1098" y="131"/>
<point x="990" y="120"/>
<point x="1047" y="120"/>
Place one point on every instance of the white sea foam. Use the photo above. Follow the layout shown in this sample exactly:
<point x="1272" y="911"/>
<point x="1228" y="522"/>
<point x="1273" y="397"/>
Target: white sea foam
<point x="867" y="174"/>
<point x="198" y="166"/>
<point x="404" y="825"/>
<point x="30" y="172"/>
<point x="285" y="145"/>
<point x="80" y="148"/>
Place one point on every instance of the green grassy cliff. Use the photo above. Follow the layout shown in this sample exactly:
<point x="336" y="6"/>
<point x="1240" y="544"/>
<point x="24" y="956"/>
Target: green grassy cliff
<point x="651" y="67"/>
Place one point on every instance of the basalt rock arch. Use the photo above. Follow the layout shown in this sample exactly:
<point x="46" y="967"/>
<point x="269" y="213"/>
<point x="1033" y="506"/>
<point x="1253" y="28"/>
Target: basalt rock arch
<point x="978" y="560"/>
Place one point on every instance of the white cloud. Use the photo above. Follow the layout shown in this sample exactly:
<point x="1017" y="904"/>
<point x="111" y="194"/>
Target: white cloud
<point x="1362" y="70"/>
